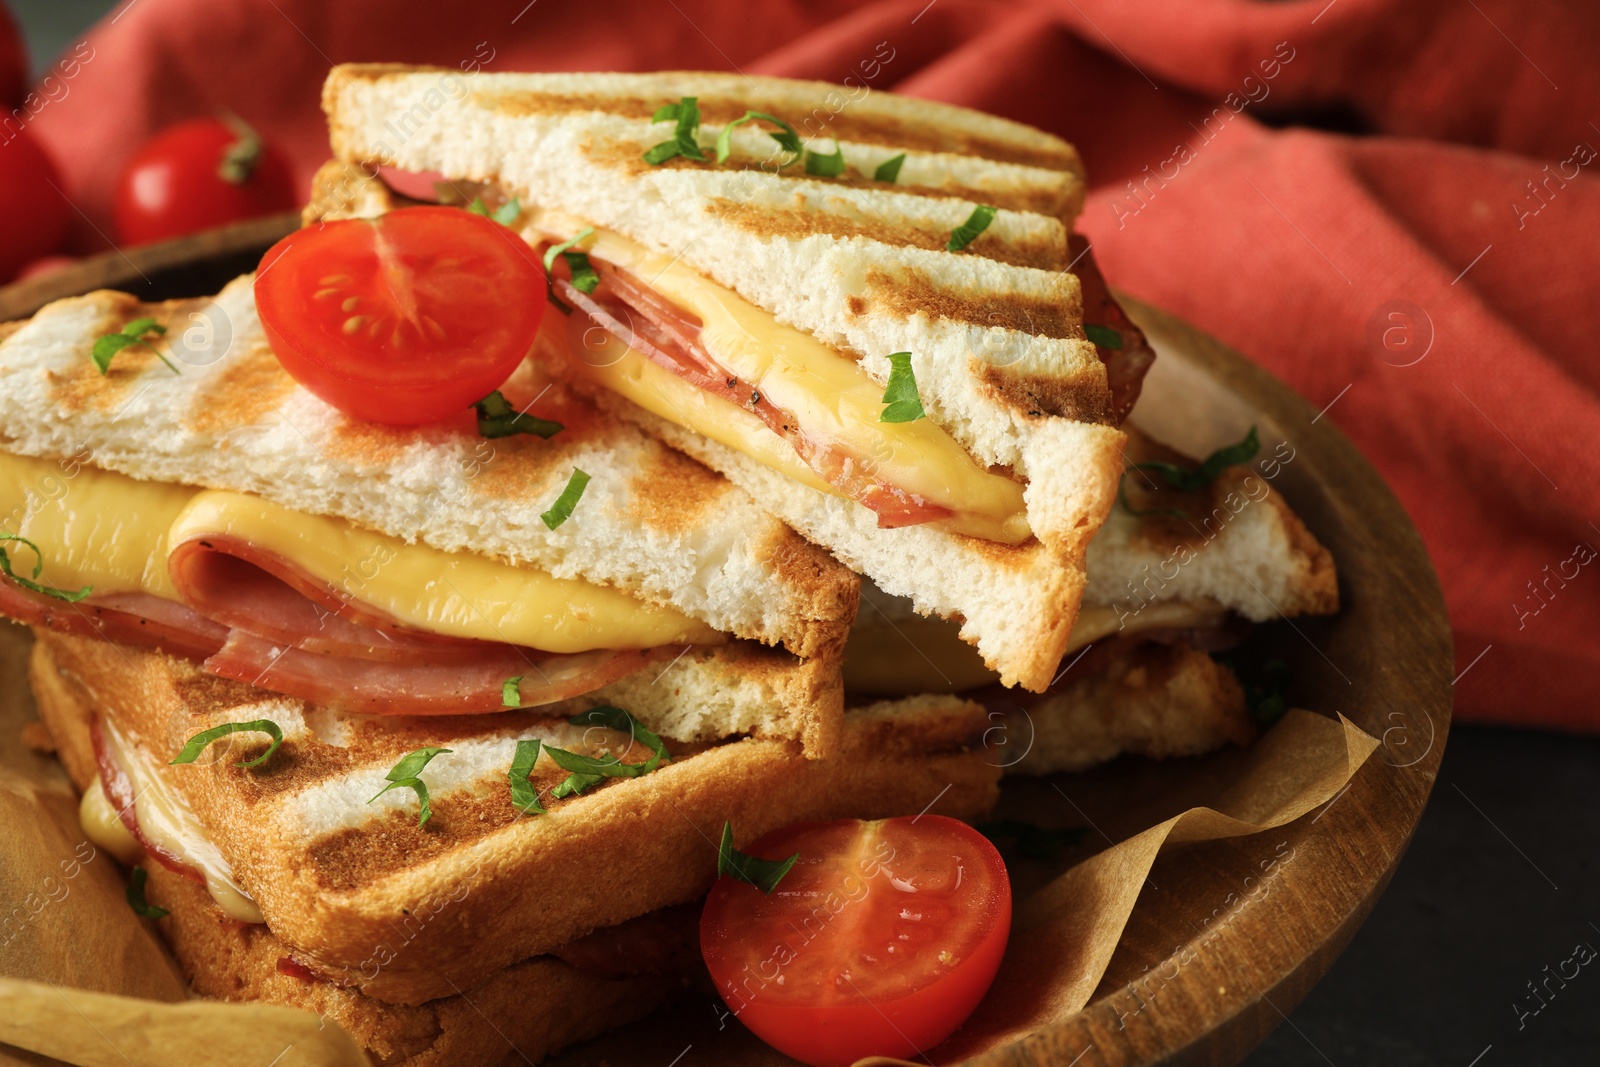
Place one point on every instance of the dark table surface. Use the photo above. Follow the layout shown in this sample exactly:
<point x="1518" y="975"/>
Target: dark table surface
<point x="1498" y="889"/>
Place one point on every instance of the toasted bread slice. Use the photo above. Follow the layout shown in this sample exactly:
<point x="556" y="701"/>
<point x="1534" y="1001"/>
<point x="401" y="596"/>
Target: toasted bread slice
<point x="651" y="523"/>
<point x="1237" y="544"/>
<point x="532" y="1008"/>
<point x="1142" y="698"/>
<point x="332" y="871"/>
<point x="995" y="331"/>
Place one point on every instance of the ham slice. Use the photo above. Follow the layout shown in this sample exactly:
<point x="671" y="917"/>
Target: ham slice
<point x="669" y="337"/>
<point x="253" y="617"/>
<point x="1125" y="366"/>
<point x="380" y="687"/>
<point x="137" y="619"/>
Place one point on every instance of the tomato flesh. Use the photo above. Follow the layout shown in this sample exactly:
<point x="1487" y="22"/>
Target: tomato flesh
<point x="406" y="318"/>
<point x="172" y="187"/>
<point x="881" y="940"/>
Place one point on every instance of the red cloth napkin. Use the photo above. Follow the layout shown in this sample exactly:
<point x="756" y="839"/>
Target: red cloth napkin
<point x="1430" y="274"/>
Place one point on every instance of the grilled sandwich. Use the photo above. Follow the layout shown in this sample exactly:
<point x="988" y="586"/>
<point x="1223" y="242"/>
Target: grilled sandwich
<point x="226" y="514"/>
<point x="762" y="296"/>
<point x="363" y="893"/>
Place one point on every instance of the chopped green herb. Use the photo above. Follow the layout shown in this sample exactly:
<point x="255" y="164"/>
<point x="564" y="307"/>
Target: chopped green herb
<point x="588" y="770"/>
<point x="197" y="744"/>
<point x="511" y="692"/>
<point x="136" y="332"/>
<point x="685" y="139"/>
<point x="826" y="166"/>
<point x="1032" y="842"/>
<point x="505" y="214"/>
<point x="524" y="797"/>
<point x="968" y="231"/>
<point x="38" y="567"/>
<point x="584" y="278"/>
<point x="1192" y="481"/>
<point x="785" y="136"/>
<point x="1104" y="336"/>
<point x="403" y="775"/>
<point x="497" y="418"/>
<point x="763" y="874"/>
<point x="1186" y="480"/>
<point x="136" y="879"/>
<point x="901" y="400"/>
<point x="889" y="169"/>
<point x="561" y="510"/>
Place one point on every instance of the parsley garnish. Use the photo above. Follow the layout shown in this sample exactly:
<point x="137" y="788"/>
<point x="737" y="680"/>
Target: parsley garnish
<point x="1032" y="842"/>
<point x="136" y="901"/>
<point x="968" y="231"/>
<point x="901" y="402"/>
<point x="1104" y="336"/>
<point x="511" y="692"/>
<point x="524" y="797"/>
<point x="763" y="874"/>
<point x="1190" y="481"/>
<point x="785" y="137"/>
<point x="403" y="775"/>
<point x="588" y="770"/>
<point x="197" y="744"/>
<point x="584" y="278"/>
<point x="561" y="510"/>
<point x="135" y="333"/>
<point x="38" y="566"/>
<point x="505" y="214"/>
<point x="685" y="139"/>
<point x="889" y="169"/>
<point x="826" y="166"/>
<point x="497" y="418"/>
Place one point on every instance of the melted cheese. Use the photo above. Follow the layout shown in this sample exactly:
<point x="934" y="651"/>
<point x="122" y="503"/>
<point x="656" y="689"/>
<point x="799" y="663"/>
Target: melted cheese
<point x="105" y="828"/>
<point x="169" y="824"/>
<point x="828" y="395"/>
<point x="93" y="528"/>
<point x="112" y="532"/>
<point x="925" y="654"/>
<point x="458" y="594"/>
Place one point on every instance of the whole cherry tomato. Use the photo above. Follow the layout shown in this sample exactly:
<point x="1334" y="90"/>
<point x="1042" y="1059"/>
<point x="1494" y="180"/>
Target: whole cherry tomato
<point x="36" y="211"/>
<point x="880" y="940"/>
<point x="406" y="318"/>
<point x="197" y="175"/>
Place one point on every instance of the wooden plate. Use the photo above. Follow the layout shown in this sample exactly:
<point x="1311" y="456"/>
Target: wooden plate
<point x="1385" y="662"/>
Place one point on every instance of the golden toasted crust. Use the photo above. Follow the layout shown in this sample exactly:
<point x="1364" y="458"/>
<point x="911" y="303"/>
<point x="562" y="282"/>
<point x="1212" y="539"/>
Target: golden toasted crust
<point x="522" y="1014"/>
<point x="332" y="873"/>
<point x="1141" y="698"/>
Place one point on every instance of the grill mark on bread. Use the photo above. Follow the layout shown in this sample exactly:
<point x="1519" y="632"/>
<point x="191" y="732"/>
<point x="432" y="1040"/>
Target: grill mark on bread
<point x="672" y="493"/>
<point x="1081" y="397"/>
<point x="252" y="386"/>
<point x="908" y="291"/>
<point x="844" y="124"/>
<point x="765" y="221"/>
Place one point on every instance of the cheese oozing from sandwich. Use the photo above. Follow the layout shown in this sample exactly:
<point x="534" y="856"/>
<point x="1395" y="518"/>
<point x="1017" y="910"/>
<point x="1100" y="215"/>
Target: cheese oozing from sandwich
<point x="167" y="823"/>
<point x="111" y="532"/>
<point x="829" y="397"/>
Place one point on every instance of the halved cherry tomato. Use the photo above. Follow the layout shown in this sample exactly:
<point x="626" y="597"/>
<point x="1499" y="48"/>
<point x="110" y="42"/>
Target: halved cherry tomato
<point x="196" y="175"/>
<point x="880" y="941"/>
<point x="406" y="318"/>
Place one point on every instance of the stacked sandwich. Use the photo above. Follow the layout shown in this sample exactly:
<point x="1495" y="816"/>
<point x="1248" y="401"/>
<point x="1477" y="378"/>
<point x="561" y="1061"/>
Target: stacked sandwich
<point x="446" y="749"/>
